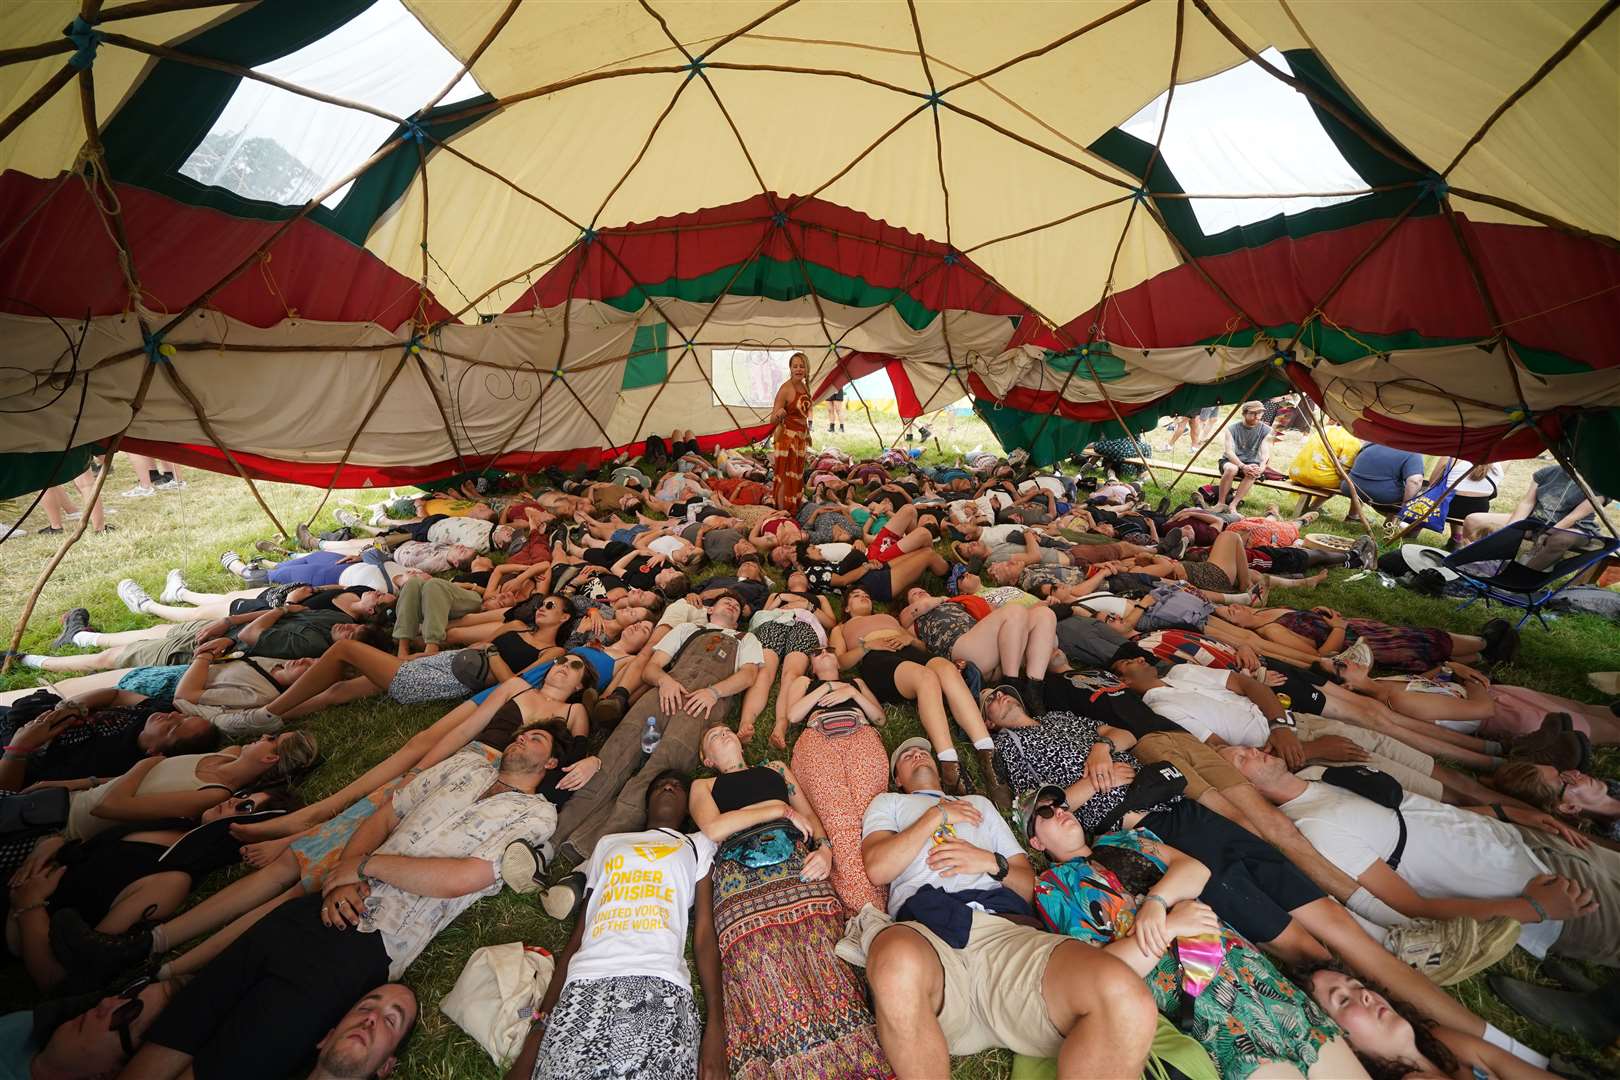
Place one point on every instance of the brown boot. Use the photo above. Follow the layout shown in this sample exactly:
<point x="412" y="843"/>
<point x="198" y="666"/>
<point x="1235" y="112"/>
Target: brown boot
<point x="951" y="780"/>
<point x="608" y="710"/>
<point x="999" y="792"/>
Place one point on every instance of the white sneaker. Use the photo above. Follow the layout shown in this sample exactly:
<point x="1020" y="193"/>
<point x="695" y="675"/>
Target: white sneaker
<point x="134" y="597"/>
<point x="176" y="484"/>
<point x="173" y="586"/>
<point x="346" y="518"/>
<point x="137" y="492"/>
<point x="8" y="532"/>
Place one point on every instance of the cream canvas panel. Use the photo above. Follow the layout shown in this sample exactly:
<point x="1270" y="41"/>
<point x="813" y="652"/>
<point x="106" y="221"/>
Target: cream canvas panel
<point x="1403" y="387"/>
<point x="49" y="140"/>
<point x="1148" y="376"/>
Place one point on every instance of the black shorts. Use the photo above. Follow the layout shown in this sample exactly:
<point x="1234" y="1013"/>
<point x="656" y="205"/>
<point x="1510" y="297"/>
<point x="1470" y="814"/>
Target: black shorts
<point x="878" y="585"/>
<point x="1463" y="505"/>
<point x="261" y="1006"/>
<point x="1285" y="560"/>
<point x="1252" y="885"/>
<point x="877" y="667"/>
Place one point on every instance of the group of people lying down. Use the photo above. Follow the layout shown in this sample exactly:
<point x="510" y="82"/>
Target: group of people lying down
<point x="1162" y="813"/>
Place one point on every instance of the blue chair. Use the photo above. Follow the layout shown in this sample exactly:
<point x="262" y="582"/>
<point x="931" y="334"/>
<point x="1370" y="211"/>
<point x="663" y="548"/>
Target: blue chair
<point x="1526" y="564"/>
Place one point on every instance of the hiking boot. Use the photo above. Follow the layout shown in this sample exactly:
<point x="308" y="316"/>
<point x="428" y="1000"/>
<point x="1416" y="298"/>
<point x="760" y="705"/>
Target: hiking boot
<point x="1501" y="641"/>
<point x="1555" y="743"/>
<point x="1591" y="1016"/>
<point x="1175" y="544"/>
<point x="951" y="780"/>
<point x="134" y="597"/>
<point x="1363" y="554"/>
<point x="173" y="586"/>
<point x="562" y="900"/>
<point x="91" y="954"/>
<point x="523" y="867"/>
<point x="1566" y="974"/>
<point x="75" y="620"/>
<point x="1447" y="951"/>
<point x="609" y="709"/>
<point x="306" y="539"/>
<point x="999" y="792"/>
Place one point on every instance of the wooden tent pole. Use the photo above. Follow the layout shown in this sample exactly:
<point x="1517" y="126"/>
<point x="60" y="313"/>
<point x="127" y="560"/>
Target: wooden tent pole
<point x="159" y="7"/>
<point x="213" y="437"/>
<point x="84" y="521"/>
<point x="47" y="90"/>
<point x="34" y="52"/>
<point x="1344" y="476"/>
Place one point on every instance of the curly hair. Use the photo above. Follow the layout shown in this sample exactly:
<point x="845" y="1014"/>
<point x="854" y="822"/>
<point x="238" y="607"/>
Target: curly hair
<point x="1379" y="1068"/>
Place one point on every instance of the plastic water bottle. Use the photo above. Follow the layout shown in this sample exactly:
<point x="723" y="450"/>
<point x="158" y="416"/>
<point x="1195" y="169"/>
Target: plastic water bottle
<point x="650" y="736"/>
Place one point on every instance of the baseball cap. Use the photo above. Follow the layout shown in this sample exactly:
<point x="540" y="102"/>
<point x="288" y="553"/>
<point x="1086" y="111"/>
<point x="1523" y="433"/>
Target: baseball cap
<point x="1131" y="651"/>
<point x="1000" y="688"/>
<point x="1030" y="800"/>
<point x="914" y="743"/>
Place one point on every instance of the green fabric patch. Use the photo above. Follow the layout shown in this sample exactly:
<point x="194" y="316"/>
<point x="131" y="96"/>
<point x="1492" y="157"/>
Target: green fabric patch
<point x="1108" y="367"/>
<point x="648" y="364"/>
<point x="27" y="472"/>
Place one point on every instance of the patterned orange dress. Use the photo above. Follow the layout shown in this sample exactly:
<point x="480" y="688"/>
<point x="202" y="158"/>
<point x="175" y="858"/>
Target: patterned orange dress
<point x="791" y="443"/>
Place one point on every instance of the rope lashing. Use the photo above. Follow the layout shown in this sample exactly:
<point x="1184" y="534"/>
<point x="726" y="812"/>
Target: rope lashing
<point x="86" y="40"/>
<point x="157" y="350"/>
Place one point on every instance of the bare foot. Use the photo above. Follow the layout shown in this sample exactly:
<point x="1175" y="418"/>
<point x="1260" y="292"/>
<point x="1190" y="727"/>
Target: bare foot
<point x="779" y="738"/>
<point x="745" y="731"/>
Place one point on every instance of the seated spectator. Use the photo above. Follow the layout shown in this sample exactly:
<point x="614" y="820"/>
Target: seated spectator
<point x="1473" y="489"/>
<point x="1244" y="457"/>
<point x="1553" y="498"/>
<point x="949" y="978"/>
<point x="1385" y="476"/>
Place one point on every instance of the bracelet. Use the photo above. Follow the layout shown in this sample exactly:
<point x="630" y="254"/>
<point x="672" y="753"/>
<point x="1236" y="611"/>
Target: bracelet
<point x="1501" y="814"/>
<point x="360" y="871"/>
<point x="1110" y="742"/>
<point x="18" y="751"/>
<point x="31" y="907"/>
<point x="1541" y="912"/>
<point x="1162" y="901"/>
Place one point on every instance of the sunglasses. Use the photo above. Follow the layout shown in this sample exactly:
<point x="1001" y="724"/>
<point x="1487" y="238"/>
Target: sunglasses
<point x="1048" y="811"/>
<point x="572" y="662"/>
<point x="124" y="1017"/>
<point x="244" y="806"/>
<point x="551" y="604"/>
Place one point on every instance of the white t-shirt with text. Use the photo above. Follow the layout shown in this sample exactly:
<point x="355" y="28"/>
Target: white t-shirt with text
<point x="896" y="811"/>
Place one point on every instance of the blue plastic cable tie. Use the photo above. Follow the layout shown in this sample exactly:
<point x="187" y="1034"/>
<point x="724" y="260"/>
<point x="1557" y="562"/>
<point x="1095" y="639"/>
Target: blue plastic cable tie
<point x="935" y="98"/>
<point x="414" y="346"/>
<point x="414" y="130"/>
<point x="779" y="219"/>
<point x="1280" y="357"/>
<point x="157" y="350"/>
<point x="952" y="258"/>
<point x="86" y="40"/>
<point x="1140" y="194"/>
<point x="695" y="68"/>
<point x="1434" y="185"/>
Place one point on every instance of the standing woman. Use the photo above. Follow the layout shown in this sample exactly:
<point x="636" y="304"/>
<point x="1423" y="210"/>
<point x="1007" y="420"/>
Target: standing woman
<point x="840" y="761"/>
<point x="790" y="414"/>
<point x="793" y="1008"/>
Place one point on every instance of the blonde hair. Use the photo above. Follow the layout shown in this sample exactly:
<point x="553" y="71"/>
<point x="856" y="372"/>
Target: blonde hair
<point x="296" y="752"/>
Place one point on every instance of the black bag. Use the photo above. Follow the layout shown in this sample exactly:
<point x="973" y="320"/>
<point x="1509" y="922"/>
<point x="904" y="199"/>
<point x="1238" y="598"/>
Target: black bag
<point x="1155" y="782"/>
<point x="33" y="814"/>
<point x="1377" y="787"/>
<point x="471" y="668"/>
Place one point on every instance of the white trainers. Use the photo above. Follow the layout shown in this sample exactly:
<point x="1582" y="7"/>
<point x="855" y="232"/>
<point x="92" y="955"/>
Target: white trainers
<point x="138" y="492"/>
<point x="1447" y="951"/>
<point x="173" y="586"/>
<point x="346" y="518"/>
<point x="134" y="597"/>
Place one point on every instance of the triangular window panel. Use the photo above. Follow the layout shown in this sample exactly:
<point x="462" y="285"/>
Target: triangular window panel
<point x="1243" y="132"/>
<point x="272" y="145"/>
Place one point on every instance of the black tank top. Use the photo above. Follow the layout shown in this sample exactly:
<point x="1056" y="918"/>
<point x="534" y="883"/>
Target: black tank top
<point x="747" y="787"/>
<point x="514" y="652"/>
<point x="326" y="599"/>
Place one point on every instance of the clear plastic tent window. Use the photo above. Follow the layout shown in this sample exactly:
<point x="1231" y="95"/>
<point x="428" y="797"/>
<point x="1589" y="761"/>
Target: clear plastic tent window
<point x="275" y="146"/>
<point x="1242" y="132"/>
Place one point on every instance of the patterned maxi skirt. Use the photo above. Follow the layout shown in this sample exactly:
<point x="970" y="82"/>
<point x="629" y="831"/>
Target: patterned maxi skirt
<point x="634" y="1027"/>
<point x="793" y="1009"/>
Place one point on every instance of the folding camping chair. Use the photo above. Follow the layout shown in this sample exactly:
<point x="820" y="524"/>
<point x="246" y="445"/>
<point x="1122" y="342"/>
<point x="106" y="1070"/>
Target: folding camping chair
<point x="1526" y="564"/>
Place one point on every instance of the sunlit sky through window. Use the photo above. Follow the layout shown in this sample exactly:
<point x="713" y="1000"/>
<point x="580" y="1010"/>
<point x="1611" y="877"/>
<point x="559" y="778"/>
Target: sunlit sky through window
<point x="1243" y="132"/>
<point x="277" y="146"/>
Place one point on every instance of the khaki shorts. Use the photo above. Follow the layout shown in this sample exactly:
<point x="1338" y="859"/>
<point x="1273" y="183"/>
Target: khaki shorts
<point x="1412" y="768"/>
<point x="177" y="646"/>
<point x="1594" y="937"/>
<point x="1203" y="767"/>
<point x="993" y="988"/>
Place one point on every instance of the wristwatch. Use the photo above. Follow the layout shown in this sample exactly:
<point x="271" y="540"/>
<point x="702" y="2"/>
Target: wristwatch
<point x="1286" y="720"/>
<point x="1002" y="867"/>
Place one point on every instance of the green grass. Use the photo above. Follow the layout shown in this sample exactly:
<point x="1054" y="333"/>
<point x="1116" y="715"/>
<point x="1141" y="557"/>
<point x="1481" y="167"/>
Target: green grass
<point x="189" y="528"/>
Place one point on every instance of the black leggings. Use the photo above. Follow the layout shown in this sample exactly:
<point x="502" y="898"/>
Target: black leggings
<point x="259" y="1009"/>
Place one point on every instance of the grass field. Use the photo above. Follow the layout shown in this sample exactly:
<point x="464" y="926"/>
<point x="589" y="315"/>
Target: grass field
<point x="189" y="528"/>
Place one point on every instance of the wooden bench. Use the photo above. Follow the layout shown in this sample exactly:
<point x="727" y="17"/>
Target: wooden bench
<point x="1307" y="495"/>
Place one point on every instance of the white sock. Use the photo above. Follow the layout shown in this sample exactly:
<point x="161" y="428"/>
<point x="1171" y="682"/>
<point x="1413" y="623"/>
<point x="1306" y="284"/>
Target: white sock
<point x="1497" y="1037"/>
<point x="160" y="941"/>
<point x="33" y="660"/>
<point x="165" y="972"/>
<point x="985" y="743"/>
<point x="1369" y="907"/>
<point x="947" y="755"/>
<point x="87" y="639"/>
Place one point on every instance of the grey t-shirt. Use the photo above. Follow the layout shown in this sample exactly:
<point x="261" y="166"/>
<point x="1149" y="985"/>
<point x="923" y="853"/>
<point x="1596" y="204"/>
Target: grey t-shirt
<point x="1248" y="440"/>
<point x="1557" y="494"/>
<point x="719" y="544"/>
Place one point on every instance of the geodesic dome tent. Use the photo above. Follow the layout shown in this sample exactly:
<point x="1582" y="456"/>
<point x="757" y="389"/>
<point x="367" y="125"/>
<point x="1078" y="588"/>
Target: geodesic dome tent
<point x="390" y="240"/>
